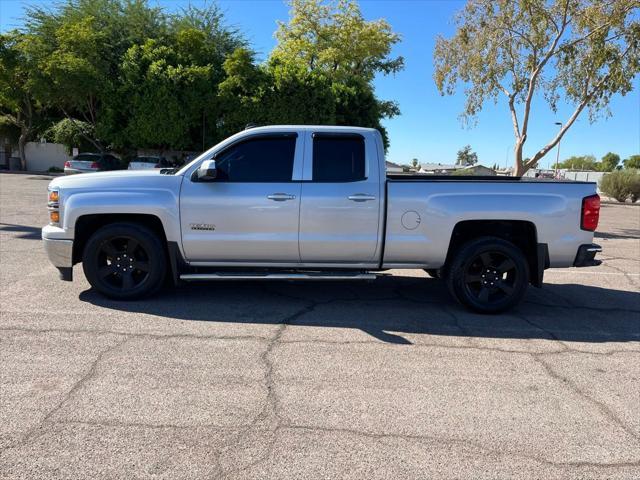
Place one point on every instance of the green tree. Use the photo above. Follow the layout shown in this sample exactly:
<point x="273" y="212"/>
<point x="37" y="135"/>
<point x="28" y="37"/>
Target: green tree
<point x="78" y="46"/>
<point x="167" y="95"/>
<point x="135" y="76"/>
<point x="609" y="162"/>
<point x="330" y="44"/>
<point x="632" y="162"/>
<point x="333" y="37"/>
<point x="273" y="93"/>
<point x="415" y="163"/>
<point x="585" y="162"/>
<point x="18" y="107"/>
<point x="466" y="156"/>
<point x="584" y="52"/>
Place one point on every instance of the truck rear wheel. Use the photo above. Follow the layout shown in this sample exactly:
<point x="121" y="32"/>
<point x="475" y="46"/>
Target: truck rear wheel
<point x="488" y="275"/>
<point x="124" y="261"/>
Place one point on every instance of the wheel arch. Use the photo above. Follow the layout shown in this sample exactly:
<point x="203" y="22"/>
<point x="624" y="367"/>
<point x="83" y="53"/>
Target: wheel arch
<point x="523" y="234"/>
<point x="87" y="225"/>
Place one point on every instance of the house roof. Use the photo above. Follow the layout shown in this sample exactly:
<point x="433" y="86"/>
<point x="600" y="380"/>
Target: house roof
<point x="472" y="167"/>
<point x="437" y="166"/>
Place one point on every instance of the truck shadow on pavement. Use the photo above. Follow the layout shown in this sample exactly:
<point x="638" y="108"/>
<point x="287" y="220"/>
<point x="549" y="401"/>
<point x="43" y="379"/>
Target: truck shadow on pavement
<point x="24" y="231"/>
<point x="395" y="305"/>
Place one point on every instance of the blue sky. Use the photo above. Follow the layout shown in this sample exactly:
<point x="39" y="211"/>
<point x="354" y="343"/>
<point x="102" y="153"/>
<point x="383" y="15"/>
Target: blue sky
<point x="429" y="127"/>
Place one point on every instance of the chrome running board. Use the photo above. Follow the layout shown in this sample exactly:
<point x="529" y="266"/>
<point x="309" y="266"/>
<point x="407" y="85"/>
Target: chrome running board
<point x="194" y="277"/>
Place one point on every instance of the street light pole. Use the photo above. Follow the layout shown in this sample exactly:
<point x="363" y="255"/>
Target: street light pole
<point x="558" y="153"/>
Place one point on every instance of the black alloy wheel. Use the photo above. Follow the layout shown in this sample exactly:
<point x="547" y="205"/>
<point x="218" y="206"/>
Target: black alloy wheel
<point x="489" y="275"/>
<point x="125" y="261"/>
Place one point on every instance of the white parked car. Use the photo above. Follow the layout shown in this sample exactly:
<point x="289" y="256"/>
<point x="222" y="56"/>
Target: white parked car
<point x="143" y="163"/>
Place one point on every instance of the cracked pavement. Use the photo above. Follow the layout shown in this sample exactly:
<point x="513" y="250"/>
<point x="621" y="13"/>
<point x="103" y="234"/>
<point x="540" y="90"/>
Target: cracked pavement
<point x="388" y="379"/>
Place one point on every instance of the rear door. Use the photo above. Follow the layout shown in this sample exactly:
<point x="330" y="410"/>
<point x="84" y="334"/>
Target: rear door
<point x="341" y="198"/>
<point x="250" y="212"/>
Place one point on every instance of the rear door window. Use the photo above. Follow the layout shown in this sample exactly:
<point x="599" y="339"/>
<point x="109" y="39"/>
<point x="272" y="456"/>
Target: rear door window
<point x="338" y="158"/>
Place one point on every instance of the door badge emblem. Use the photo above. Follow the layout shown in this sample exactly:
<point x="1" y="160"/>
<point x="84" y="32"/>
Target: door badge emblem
<point x="202" y="226"/>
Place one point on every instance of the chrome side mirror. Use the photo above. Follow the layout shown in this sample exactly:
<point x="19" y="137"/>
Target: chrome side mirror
<point x="207" y="171"/>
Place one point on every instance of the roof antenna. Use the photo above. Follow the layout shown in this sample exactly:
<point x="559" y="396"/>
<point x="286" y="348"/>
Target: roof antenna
<point x="250" y="125"/>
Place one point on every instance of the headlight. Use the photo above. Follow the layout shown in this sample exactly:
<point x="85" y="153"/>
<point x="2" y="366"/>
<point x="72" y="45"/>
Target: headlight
<point x="54" y="196"/>
<point x="54" y="206"/>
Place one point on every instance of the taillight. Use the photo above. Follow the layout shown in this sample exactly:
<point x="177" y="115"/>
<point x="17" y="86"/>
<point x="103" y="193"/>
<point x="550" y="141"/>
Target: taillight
<point x="590" y="213"/>
<point x="67" y="164"/>
<point x="95" y="165"/>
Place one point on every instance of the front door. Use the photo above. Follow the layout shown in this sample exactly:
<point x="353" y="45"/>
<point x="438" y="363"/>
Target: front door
<point x="340" y="211"/>
<point x="250" y="212"/>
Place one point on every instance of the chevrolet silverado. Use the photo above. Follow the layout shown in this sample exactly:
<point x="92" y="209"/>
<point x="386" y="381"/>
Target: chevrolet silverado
<point x="315" y="203"/>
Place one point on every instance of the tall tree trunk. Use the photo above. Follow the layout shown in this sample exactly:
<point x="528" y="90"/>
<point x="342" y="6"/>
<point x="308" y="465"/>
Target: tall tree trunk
<point x="519" y="169"/>
<point x="22" y="141"/>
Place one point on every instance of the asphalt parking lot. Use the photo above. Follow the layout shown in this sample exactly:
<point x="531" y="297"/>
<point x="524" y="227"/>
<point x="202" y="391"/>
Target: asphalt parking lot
<point x="388" y="379"/>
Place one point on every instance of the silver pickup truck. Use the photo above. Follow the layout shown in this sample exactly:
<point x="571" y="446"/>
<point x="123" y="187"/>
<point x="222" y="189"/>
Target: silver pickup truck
<point x="315" y="203"/>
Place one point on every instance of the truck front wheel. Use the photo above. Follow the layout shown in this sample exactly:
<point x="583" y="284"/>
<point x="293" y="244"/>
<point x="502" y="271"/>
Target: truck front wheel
<point x="488" y="275"/>
<point x="124" y="261"/>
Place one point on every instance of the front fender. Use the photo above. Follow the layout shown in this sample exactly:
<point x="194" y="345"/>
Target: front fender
<point x="162" y="204"/>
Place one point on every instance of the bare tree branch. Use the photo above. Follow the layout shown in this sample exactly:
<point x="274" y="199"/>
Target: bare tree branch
<point x="538" y="69"/>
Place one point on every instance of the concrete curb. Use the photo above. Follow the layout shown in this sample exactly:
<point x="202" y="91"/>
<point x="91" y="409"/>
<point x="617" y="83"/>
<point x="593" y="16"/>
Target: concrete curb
<point x="20" y="172"/>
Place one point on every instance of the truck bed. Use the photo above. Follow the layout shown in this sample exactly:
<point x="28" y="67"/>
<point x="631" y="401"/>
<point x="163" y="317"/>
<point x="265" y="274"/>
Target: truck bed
<point x="422" y="212"/>
<point x="408" y="177"/>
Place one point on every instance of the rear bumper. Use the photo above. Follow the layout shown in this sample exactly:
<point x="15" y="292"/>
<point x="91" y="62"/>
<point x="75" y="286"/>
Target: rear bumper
<point x="586" y="256"/>
<point x="60" y="253"/>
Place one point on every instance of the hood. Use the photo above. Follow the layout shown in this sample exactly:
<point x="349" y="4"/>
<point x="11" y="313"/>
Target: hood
<point x="124" y="178"/>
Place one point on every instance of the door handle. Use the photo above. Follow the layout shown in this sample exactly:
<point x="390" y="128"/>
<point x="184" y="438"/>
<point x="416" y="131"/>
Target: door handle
<point x="361" y="197"/>
<point x="280" y="197"/>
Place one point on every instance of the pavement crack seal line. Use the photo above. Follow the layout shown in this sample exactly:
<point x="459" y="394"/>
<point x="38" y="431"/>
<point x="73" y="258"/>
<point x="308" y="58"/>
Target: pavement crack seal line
<point x="551" y="334"/>
<point x="629" y="278"/>
<point x="606" y="411"/>
<point x="571" y="385"/>
<point x="39" y="429"/>
<point x="270" y="411"/>
<point x="154" y="336"/>
<point x="456" y="441"/>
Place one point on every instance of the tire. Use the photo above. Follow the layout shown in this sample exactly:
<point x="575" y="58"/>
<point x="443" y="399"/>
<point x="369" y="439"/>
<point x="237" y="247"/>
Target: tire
<point x="488" y="275"/>
<point x="125" y="261"/>
<point x="433" y="272"/>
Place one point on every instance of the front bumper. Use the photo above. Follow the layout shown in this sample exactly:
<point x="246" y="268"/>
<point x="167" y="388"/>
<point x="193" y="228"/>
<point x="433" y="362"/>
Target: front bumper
<point x="60" y="253"/>
<point x="586" y="256"/>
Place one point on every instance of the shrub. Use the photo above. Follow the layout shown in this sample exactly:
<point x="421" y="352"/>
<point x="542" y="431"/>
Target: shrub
<point x="635" y="186"/>
<point x="55" y="170"/>
<point x="621" y="185"/>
